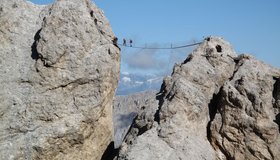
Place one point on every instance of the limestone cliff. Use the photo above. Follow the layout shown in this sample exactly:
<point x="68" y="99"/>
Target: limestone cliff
<point x="244" y="122"/>
<point x="59" y="71"/>
<point x="215" y="105"/>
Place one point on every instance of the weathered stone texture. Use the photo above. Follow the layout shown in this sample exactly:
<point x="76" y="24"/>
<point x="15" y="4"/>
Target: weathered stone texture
<point x="245" y="126"/>
<point x="59" y="71"/>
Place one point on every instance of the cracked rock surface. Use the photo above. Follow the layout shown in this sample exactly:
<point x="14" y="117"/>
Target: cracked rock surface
<point x="215" y="105"/>
<point x="59" y="71"/>
<point x="246" y="124"/>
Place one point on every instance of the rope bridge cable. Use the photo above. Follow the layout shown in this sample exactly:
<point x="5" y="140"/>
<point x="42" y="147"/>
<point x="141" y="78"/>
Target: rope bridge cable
<point x="176" y="47"/>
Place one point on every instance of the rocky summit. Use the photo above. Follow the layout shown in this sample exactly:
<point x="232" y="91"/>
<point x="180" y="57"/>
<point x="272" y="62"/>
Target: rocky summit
<point x="215" y="105"/>
<point x="59" y="71"/>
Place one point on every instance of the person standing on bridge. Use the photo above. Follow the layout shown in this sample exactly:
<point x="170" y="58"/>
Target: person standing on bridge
<point x="115" y="42"/>
<point x="124" y="42"/>
<point x="130" y="42"/>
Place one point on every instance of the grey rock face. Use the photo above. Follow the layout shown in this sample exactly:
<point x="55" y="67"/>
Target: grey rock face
<point x="215" y="105"/>
<point x="246" y="125"/>
<point x="59" y="72"/>
<point x="184" y="113"/>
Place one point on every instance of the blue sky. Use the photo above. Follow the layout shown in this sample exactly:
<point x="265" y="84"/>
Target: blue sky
<point x="251" y="26"/>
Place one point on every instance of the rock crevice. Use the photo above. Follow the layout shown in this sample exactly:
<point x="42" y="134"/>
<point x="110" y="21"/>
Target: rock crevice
<point x="276" y="93"/>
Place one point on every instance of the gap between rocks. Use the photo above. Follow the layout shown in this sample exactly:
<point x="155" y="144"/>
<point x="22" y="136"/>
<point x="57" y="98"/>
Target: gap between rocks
<point x="276" y="103"/>
<point x="34" y="52"/>
<point x="276" y="91"/>
<point x="277" y="120"/>
<point x="214" y="105"/>
<point x="110" y="153"/>
<point x="160" y="98"/>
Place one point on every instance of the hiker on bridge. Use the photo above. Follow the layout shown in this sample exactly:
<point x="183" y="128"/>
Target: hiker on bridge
<point x="124" y="42"/>
<point x="115" y="42"/>
<point x="130" y="42"/>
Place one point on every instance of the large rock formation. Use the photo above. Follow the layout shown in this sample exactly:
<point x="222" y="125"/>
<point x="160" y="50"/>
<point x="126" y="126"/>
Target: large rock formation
<point x="216" y="105"/>
<point x="59" y="71"/>
<point x="245" y="122"/>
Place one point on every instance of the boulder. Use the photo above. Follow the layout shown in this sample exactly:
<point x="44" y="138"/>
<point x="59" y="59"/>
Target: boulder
<point x="59" y="70"/>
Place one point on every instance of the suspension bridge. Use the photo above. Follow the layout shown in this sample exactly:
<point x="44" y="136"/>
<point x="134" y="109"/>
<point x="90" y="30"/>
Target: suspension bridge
<point x="167" y="48"/>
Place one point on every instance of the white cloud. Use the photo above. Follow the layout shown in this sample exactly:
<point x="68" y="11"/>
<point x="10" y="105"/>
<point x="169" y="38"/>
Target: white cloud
<point x="139" y="82"/>
<point x="126" y="79"/>
<point x="153" y="60"/>
<point x="143" y="59"/>
<point x="125" y="73"/>
<point x="153" y="80"/>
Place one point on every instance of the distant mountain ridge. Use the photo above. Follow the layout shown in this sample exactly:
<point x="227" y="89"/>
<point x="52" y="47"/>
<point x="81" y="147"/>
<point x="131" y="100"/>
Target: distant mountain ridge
<point x="132" y="83"/>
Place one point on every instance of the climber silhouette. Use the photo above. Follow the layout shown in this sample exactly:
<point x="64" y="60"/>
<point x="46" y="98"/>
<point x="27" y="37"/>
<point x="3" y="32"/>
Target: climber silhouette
<point x="130" y="43"/>
<point x="91" y="13"/>
<point x="115" y="40"/>
<point x="124" y="42"/>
